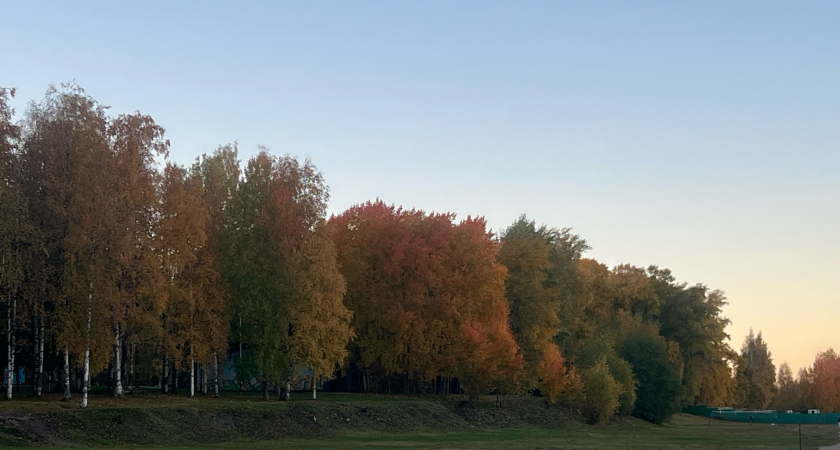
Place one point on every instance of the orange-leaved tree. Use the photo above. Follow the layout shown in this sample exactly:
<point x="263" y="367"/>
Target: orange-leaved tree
<point x="824" y="377"/>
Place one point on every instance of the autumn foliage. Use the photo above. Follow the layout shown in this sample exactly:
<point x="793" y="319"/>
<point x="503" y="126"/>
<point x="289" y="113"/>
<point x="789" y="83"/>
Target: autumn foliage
<point x="428" y="297"/>
<point x="119" y="266"/>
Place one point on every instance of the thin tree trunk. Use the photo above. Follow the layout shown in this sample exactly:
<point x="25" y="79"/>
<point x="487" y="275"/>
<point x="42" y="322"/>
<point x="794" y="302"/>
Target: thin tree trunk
<point x="203" y="379"/>
<point x="10" y="345"/>
<point x="314" y="387"/>
<point x="164" y="377"/>
<point x="35" y="355"/>
<point x="132" y="376"/>
<point x="174" y="378"/>
<point x="86" y="376"/>
<point x="240" y="350"/>
<point x="216" y="375"/>
<point x="286" y="393"/>
<point x="67" y="395"/>
<point x="265" y="390"/>
<point x="192" y="374"/>
<point x="40" y="356"/>
<point x="118" y="387"/>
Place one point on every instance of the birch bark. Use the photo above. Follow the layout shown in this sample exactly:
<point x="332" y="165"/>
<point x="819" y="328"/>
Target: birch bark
<point x="39" y="374"/>
<point x="67" y="395"/>
<point x="192" y="375"/>
<point x="216" y="375"/>
<point x="10" y="345"/>
<point x="118" y="386"/>
<point x="86" y="376"/>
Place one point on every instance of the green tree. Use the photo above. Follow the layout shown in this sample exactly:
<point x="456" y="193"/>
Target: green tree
<point x="602" y="392"/>
<point x="691" y="317"/>
<point x="658" y="393"/>
<point x="275" y="216"/>
<point x="534" y="304"/>
<point x="219" y="174"/>
<point x="320" y="323"/>
<point x="789" y="393"/>
<point x="757" y="385"/>
<point x="602" y="348"/>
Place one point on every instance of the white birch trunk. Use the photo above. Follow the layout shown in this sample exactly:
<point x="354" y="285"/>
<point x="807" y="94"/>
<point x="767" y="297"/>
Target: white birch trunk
<point x="216" y="375"/>
<point x="86" y="376"/>
<point x="192" y="375"/>
<point x="40" y="369"/>
<point x="118" y="386"/>
<point x="10" y="343"/>
<point x="67" y="394"/>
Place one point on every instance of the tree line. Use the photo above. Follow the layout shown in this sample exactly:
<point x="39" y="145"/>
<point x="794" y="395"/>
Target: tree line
<point x="759" y="386"/>
<point x="115" y="265"/>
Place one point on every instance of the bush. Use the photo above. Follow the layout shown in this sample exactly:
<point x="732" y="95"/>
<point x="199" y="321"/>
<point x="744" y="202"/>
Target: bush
<point x="602" y="392"/>
<point x="620" y="370"/>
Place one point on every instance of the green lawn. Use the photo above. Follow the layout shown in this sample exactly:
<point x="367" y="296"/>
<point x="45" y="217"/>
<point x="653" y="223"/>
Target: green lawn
<point x="392" y="422"/>
<point x="683" y="433"/>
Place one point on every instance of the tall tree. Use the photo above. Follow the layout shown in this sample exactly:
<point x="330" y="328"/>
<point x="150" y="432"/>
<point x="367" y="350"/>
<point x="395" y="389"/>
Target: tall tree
<point x="319" y="321"/>
<point x="135" y="141"/>
<point x="757" y="386"/>
<point x="219" y="174"/>
<point x="789" y="393"/>
<point x="427" y="296"/>
<point x="534" y="304"/>
<point x="658" y="395"/>
<point x="476" y="283"/>
<point x="275" y="218"/>
<point x="13" y="229"/>
<point x="403" y="317"/>
<point x="182" y="236"/>
<point x="824" y="378"/>
<point x="67" y="141"/>
<point x="691" y="317"/>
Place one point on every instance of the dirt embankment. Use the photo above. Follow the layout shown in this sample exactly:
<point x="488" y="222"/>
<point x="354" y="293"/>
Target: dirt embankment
<point x="182" y="424"/>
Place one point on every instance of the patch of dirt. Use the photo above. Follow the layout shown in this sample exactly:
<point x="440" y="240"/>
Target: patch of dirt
<point x="37" y="428"/>
<point x="513" y="414"/>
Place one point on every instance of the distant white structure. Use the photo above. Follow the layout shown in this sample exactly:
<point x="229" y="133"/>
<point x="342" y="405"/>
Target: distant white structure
<point x="813" y="411"/>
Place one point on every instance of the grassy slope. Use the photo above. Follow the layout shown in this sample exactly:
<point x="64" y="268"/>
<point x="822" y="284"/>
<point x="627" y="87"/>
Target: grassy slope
<point x="350" y="421"/>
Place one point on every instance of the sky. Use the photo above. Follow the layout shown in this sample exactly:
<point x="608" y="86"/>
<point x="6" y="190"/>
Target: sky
<point x="697" y="136"/>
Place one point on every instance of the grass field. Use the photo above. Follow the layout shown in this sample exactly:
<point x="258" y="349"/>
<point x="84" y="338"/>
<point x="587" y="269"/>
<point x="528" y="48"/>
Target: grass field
<point x="347" y="422"/>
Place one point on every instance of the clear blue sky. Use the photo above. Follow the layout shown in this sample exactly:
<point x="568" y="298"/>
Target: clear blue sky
<point x="699" y="136"/>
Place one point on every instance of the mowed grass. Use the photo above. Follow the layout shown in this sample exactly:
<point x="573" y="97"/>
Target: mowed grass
<point x="450" y="431"/>
<point x="683" y="432"/>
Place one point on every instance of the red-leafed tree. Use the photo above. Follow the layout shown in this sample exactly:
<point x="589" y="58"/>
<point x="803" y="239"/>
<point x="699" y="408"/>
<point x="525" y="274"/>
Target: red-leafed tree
<point x="824" y="378"/>
<point x="427" y="296"/>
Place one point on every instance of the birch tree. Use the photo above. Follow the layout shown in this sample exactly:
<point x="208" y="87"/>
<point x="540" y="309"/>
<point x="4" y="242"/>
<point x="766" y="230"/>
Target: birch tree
<point x="135" y="140"/>
<point x="72" y="127"/>
<point x="274" y="216"/>
<point x="12" y="227"/>
<point x="219" y="176"/>
<point x="189" y="270"/>
<point x="320" y="323"/>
